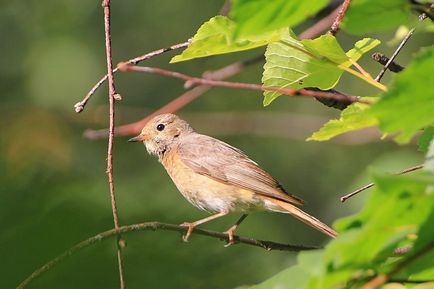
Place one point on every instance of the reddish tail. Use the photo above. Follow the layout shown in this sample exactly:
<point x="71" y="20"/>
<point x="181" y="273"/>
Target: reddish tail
<point x="305" y="217"/>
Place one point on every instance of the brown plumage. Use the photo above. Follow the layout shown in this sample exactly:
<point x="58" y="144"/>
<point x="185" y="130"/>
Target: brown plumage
<point x="217" y="177"/>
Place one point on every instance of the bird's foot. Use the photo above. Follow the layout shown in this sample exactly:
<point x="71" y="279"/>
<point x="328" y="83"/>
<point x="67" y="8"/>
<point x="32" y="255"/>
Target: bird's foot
<point x="190" y="227"/>
<point x="230" y="232"/>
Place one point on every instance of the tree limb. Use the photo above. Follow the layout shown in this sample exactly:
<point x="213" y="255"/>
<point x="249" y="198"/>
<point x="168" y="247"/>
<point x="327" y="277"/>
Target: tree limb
<point x="79" y="106"/>
<point x="112" y="97"/>
<point x="154" y="226"/>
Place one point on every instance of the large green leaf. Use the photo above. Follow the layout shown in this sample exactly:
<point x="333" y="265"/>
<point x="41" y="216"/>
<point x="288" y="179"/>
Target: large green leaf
<point x="364" y="16"/>
<point x="408" y="106"/>
<point x="395" y="212"/>
<point x="216" y="36"/>
<point x="259" y="16"/>
<point x="308" y="63"/>
<point x="352" y="118"/>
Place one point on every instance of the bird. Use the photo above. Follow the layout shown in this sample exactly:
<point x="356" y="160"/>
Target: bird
<point x="217" y="177"/>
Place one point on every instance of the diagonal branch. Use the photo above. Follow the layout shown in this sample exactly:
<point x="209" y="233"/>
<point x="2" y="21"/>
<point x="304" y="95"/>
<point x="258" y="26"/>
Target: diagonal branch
<point x="79" y="106"/>
<point x="154" y="226"/>
<point x="407" y="170"/>
<point x="112" y="96"/>
<point x="250" y="86"/>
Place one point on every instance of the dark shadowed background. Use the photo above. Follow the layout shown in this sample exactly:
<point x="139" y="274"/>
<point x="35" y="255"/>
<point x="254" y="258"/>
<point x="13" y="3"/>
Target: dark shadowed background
<point x="53" y="186"/>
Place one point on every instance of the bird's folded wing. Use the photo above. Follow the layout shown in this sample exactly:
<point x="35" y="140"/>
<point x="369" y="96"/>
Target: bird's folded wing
<point x="224" y="163"/>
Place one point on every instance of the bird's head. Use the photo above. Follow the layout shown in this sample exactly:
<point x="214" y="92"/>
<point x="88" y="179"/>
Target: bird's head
<point x="162" y="132"/>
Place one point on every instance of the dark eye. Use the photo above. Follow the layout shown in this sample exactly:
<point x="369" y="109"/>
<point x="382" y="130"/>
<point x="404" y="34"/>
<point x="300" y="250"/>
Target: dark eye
<point x="160" y="127"/>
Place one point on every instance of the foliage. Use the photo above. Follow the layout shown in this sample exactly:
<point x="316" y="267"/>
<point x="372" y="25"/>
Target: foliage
<point x="308" y="63"/>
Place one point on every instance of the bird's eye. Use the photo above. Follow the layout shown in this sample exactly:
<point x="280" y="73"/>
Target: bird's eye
<point x="160" y="127"/>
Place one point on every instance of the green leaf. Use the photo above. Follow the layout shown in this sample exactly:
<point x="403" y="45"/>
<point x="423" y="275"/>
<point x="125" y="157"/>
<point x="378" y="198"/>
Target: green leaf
<point x="259" y="16"/>
<point x="361" y="47"/>
<point x="352" y="118"/>
<point x="216" y="37"/>
<point x="364" y="16"/>
<point x="425" y="139"/>
<point x="408" y="106"/>
<point x="308" y="63"/>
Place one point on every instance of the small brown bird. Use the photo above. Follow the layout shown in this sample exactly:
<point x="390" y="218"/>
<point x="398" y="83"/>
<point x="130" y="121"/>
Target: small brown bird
<point x="217" y="177"/>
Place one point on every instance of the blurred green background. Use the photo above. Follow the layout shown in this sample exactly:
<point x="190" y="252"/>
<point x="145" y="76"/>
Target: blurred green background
<point x="53" y="186"/>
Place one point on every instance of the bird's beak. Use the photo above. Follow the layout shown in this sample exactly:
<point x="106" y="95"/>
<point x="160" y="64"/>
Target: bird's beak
<point x="139" y="138"/>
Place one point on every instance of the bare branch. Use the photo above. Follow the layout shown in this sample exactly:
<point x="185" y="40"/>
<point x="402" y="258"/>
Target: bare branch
<point x="335" y="26"/>
<point x="398" y="49"/>
<point x="154" y="226"/>
<point x="112" y="96"/>
<point x="347" y="196"/>
<point x="251" y="86"/>
<point x="79" y="106"/>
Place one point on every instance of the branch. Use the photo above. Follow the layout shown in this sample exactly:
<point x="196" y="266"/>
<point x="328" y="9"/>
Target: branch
<point x="112" y="96"/>
<point x="79" y="106"/>
<point x="250" y="86"/>
<point x="383" y="59"/>
<point x="153" y="226"/>
<point x="398" y="49"/>
<point x="347" y="196"/>
<point x="335" y="26"/>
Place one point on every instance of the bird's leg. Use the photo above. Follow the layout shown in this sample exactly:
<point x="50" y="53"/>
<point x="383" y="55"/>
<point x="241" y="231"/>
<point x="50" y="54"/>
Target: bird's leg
<point x="191" y="226"/>
<point x="232" y="230"/>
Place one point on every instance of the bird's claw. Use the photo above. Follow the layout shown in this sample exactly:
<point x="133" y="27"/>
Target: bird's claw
<point x="231" y="240"/>
<point x="187" y="235"/>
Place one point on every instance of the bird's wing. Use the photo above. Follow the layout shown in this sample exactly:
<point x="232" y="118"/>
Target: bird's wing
<point x="225" y="163"/>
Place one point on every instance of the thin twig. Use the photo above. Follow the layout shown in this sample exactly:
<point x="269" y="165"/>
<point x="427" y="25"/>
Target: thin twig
<point x="335" y="26"/>
<point x="250" y="86"/>
<point x="112" y="96"/>
<point x="398" y="49"/>
<point x="153" y="226"/>
<point x="79" y="106"/>
<point x="347" y="196"/>
<point x="383" y="59"/>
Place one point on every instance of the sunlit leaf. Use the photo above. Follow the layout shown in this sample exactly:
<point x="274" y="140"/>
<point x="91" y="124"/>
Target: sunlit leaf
<point x="352" y="118"/>
<point x="308" y="63"/>
<point x="216" y="37"/>
<point x="256" y="17"/>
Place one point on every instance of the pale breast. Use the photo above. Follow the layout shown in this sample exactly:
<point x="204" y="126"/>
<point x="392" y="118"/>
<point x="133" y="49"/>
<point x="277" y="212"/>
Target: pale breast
<point x="206" y="193"/>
